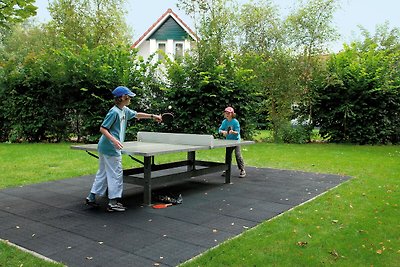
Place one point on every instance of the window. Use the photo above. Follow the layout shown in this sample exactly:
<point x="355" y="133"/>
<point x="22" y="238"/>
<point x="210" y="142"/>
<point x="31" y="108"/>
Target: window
<point x="178" y="50"/>
<point x="161" y="47"/>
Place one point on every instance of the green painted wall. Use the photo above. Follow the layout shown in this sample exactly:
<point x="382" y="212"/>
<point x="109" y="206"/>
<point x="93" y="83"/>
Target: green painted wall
<point x="170" y="29"/>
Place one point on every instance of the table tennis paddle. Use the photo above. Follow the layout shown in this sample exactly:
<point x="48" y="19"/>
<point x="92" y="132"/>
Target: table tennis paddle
<point x="161" y="206"/>
<point x="167" y="117"/>
<point x="229" y="128"/>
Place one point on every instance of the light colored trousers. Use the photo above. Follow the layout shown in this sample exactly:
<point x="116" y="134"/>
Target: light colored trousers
<point x="109" y="175"/>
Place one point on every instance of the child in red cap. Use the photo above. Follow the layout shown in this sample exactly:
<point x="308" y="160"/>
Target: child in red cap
<point x="230" y="128"/>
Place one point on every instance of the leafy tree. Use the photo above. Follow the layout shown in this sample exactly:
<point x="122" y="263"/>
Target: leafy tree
<point x="214" y="25"/>
<point x="309" y="30"/>
<point x="56" y="86"/>
<point x="267" y="45"/>
<point x="212" y="78"/>
<point x="21" y="48"/>
<point x="263" y="45"/>
<point x="385" y="38"/>
<point x="89" y="22"/>
<point x="360" y="102"/>
<point x="14" y="11"/>
<point x="260" y="28"/>
<point x="310" y="26"/>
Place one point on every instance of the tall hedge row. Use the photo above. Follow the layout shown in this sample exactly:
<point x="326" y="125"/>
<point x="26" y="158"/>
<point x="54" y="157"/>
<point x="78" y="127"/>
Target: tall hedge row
<point x="200" y="95"/>
<point x="63" y="91"/>
<point x="360" y="99"/>
<point x="66" y="92"/>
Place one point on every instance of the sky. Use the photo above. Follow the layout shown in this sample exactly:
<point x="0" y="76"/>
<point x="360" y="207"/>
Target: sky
<point x="352" y="13"/>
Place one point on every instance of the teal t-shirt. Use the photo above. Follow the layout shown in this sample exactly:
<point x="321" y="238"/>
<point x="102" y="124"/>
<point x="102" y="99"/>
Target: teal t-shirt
<point x="234" y="124"/>
<point x="115" y="121"/>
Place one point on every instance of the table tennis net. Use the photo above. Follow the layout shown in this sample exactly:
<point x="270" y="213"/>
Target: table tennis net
<point x="176" y="138"/>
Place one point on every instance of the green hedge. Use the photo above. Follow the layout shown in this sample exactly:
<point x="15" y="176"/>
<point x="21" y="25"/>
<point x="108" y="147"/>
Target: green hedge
<point x="64" y="93"/>
<point x="360" y="101"/>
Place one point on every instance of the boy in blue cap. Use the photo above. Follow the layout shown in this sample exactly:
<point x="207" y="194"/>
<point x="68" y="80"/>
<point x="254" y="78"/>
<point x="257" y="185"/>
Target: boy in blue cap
<point x="110" y="173"/>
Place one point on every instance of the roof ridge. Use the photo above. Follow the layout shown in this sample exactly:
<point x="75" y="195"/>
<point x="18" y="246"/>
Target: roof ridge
<point x="169" y="12"/>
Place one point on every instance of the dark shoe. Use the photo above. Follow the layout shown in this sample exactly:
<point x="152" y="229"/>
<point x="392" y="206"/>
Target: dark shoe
<point x="91" y="203"/>
<point x="171" y="200"/>
<point x="115" y="207"/>
<point x="242" y="174"/>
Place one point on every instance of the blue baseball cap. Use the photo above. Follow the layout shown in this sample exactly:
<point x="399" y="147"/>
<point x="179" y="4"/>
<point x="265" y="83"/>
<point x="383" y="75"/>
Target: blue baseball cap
<point x="122" y="90"/>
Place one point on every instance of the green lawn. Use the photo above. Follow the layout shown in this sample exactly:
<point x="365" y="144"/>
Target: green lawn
<point x="355" y="224"/>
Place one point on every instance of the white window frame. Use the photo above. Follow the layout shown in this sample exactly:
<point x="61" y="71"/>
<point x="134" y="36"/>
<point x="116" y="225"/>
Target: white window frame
<point x="161" y="56"/>
<point x="183" y="49"/>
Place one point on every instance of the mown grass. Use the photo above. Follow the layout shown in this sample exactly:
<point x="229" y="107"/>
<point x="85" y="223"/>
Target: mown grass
<point x="355" y="224"/>
<point x="11" y="256"/>
<point x="33" y="163"/>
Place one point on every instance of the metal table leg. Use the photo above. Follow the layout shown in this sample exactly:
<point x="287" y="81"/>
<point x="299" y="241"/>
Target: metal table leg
<point x="191" y="157"/>
<point x="228" y="162"/>
<point x="147" y="180"/>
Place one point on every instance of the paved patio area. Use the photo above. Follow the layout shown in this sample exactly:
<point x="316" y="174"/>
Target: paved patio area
<point x="52" y="220"/>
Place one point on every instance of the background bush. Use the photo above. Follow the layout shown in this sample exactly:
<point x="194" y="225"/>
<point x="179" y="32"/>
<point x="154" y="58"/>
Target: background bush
<point x="199" y="96"/>
<point x="360" y="100"/>
<point x="64" y="92"/>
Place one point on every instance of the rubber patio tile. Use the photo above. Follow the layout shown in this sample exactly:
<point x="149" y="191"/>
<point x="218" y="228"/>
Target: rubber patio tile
<point x="52" y="219"/>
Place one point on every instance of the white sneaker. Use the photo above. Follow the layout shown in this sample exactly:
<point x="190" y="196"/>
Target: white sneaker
<point x="115" y="207"/>
<point x="242" y="174"/>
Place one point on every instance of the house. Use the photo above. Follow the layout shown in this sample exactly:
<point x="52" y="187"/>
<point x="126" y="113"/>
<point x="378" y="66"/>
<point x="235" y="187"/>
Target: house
<point x="169" y="34"/>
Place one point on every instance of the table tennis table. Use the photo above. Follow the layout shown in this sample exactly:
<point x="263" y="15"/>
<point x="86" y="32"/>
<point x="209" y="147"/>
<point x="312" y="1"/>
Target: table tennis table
<point x="151" y="144"/>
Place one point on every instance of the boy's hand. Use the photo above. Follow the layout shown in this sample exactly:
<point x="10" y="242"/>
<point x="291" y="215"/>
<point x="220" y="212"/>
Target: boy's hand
<point x="157" y="118"/>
